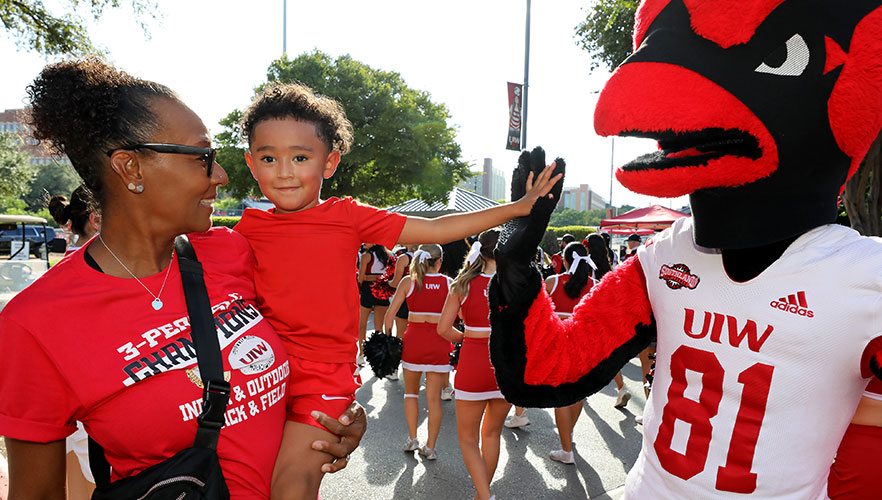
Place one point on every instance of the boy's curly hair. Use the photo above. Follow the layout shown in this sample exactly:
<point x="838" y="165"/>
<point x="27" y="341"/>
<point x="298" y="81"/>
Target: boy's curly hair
<point x="301" y="103"/>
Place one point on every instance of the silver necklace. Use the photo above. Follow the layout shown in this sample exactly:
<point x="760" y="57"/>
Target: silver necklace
<point x="157" y="303"/>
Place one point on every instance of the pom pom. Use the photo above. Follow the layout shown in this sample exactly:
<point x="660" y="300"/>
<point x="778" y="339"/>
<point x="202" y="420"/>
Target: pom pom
<point x="383" y="353"/>
<point x="454" y="354"/>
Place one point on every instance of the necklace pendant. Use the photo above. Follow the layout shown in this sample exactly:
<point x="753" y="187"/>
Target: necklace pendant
<point x="157" y="304"/>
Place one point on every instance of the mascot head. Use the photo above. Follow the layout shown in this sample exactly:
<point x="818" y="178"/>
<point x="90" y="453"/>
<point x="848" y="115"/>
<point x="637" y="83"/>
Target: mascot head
<point x="761" y="108"/>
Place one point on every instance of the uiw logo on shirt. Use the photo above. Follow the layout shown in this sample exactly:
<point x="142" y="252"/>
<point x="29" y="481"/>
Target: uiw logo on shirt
<point x="433" y="286"/>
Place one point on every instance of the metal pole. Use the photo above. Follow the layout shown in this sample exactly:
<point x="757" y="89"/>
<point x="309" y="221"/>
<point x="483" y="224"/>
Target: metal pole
<point x="612" y="155"/>
<point x="526" y="79"/>
<point x="284" y="28"/>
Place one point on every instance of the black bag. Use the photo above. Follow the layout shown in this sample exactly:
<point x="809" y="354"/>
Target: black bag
<point x="192" y="473"/>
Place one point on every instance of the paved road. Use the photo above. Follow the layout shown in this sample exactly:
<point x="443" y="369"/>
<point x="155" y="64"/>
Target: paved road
<point x="607" y="443"/>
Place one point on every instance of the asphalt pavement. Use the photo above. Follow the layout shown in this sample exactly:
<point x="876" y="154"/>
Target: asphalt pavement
<point x="607" y="443"/>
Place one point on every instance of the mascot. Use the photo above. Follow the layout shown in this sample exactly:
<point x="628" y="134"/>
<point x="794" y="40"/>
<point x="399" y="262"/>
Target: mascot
<point x="767" y="315"/>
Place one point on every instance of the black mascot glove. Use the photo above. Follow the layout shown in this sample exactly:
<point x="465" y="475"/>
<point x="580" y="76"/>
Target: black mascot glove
<point x="519" y="238"/>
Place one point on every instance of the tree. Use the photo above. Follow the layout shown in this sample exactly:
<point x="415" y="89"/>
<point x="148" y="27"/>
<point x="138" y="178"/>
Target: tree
<point x="16" y="172"/>
<point x="568" y="217"/>
<point x="403" y="147"/>
<point x="34" y="27"/>
<point x="607" y="31"/>
<point x="863" y="193"/>
<point x="49" y="180"/>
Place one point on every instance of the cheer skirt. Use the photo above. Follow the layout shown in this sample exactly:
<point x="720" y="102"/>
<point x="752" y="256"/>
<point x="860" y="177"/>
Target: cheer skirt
<point x="424" y="350"/>
<point x="475" y="377"/>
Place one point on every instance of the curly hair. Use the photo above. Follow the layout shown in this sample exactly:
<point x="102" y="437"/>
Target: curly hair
<point x="84" y="108"/>
<point x="76" y="210"/>
<point x="301" y="103"/>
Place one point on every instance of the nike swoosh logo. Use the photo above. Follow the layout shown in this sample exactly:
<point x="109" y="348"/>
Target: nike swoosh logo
<point x="329" y="398"/>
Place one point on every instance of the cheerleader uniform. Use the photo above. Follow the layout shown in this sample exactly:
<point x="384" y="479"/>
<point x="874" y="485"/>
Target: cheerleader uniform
<point x="366" y="298"/>
<point x="563" y="303"/>
<point x="475" y="378"/>
<point x="403" y="310"/>
<point x="424" y="350"/>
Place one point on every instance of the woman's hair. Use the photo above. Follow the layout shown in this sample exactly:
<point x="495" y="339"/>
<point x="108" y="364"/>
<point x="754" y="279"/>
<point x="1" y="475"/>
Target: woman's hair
<point x="419" y="267"/>
<point x="488" y="240"/>
<point x="300" y="103"/>
<point x="379" y="252"/>
<point x="84" y="108"/>
<point x="76" y="210"/>
<point x="597" y="250"/>
<point x="582" y="274"/>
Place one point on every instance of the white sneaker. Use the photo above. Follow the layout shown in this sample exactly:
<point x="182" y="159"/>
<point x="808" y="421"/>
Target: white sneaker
<point x="622" y="397"/>
<point x="427" y="452"/>
<point x="517" y="421"/>
<point x="393" y="375"/>
<point x="359" y="360"/>
<point x="411" y="444"/>
<point x="447" y="393"/>
<point x="564" y="457"/>
<point x="639" y="419"/>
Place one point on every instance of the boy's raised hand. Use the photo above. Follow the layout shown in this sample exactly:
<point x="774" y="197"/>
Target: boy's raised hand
<point x="540" y="186"/>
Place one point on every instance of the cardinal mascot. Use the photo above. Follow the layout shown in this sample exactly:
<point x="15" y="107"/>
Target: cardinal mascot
<point x="767" y="315"/>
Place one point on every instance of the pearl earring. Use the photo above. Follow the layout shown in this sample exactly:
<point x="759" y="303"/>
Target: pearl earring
<point x="138" y="189"/>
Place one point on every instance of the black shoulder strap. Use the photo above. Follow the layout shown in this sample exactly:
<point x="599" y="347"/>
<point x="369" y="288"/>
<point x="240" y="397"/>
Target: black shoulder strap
<point x="216" y="391"/>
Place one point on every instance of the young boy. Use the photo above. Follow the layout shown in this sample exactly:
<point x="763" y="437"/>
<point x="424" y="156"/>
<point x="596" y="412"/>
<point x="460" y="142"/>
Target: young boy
<point x="296" y="139"/>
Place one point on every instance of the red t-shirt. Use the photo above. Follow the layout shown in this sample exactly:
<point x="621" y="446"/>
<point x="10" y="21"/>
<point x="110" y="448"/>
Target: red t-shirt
<point x="305" y="274"/>
<point x="129" y="372"/>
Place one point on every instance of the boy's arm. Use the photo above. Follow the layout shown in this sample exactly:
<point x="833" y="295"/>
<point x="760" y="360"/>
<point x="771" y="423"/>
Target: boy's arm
<point x="457" y="226"/>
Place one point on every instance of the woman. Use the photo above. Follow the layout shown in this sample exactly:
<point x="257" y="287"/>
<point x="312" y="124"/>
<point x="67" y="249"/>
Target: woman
<point x="477" y="396"/>
<point x="127" y="371"/>
<point x="581" y="271"/>
<point x="402" y="269"/>
<point x="424" y="350"/>
<point x="371" y="265"/>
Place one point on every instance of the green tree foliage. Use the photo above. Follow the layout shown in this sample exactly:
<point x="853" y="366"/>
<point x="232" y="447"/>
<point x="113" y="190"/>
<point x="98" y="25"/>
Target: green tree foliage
<point x="567" y="217"/>
<point x="16" y="172"/>
<point x="34" y="27"/>
<point x="403" y="146"/>
<point x="607" y="31"/>
<point x="50" y="180"/>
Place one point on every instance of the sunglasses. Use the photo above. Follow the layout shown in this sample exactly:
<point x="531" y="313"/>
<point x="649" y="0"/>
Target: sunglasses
<point x="206" y="154"/>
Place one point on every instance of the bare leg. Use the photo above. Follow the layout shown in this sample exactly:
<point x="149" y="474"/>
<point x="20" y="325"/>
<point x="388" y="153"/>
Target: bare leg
<point x="434" y="383"/>
<point x="566" y="422"/>
<point x="363" y="315"/>
<point x="491" y="429"/>
<point x="519" y="410"/>
<point x="379" y="314"/>
<point x="468" y="424"/>
<point x="618" y="380"/>
<point x="411" y="400"/>
<point x="298" y="471"/>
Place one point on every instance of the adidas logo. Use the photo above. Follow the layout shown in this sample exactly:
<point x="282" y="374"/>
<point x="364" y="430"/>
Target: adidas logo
<point x="794" y="303"/>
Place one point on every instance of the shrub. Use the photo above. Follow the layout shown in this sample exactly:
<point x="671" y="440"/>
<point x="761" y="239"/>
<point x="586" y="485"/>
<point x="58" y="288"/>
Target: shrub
<point x="549" y="242"/>
<point x="225" y="221"/>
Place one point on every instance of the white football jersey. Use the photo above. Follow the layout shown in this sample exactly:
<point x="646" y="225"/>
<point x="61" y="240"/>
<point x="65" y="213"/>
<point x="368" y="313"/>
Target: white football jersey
<point x="755" y="382"/>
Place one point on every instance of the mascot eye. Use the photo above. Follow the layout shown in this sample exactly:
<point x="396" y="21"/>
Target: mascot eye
<point x="789" y="60"/>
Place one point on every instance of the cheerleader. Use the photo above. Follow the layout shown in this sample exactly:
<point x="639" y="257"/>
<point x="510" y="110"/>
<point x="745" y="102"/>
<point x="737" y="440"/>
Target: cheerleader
<point x="477" y="395"/>
<point x="371" y="266"/>
<point x="424" y="290"/>
<point x="565" y="290"/>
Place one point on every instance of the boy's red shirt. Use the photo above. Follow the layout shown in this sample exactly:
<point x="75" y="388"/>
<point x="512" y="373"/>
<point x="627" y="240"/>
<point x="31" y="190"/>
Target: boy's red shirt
<point x="307" y="270"/>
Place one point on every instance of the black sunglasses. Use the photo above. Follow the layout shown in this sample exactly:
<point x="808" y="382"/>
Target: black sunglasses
<point x="206" y="154"/>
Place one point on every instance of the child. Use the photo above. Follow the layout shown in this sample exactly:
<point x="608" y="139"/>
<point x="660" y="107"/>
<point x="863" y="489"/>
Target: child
<point x="296" y="139"/>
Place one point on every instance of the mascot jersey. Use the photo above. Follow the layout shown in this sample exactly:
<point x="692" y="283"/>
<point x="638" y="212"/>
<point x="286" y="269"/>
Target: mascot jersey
<point x="731" y="348"/>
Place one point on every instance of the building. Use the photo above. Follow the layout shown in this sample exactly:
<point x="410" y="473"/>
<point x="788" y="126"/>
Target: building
<point x="580" y="199"/>
<point x="11" y="123"/>
<point x="489" y="183"/>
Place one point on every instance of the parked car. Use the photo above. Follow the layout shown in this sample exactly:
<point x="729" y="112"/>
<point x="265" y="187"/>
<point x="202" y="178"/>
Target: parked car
<point x="37" y="236"/>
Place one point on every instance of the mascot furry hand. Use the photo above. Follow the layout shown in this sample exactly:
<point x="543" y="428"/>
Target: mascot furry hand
<point x="767" y="315"/>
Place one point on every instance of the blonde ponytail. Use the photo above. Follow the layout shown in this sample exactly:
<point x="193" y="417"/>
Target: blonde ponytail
<point x="423" y="260"/>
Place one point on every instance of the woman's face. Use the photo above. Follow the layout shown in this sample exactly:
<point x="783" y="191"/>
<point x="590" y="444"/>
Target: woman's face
<point x="180" y="192"/>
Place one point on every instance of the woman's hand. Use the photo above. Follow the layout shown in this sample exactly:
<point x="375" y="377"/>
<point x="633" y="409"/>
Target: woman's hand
<point x="350" y="427"/>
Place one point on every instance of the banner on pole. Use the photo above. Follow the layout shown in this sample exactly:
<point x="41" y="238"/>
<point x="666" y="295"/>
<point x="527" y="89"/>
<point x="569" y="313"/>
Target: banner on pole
<point x="514" y="116"/>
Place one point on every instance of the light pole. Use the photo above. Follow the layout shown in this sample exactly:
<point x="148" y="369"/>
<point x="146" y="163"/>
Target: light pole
<point x="526" y="80"/>
<point x="284" y="28"/>
<point x="612" y="155"/>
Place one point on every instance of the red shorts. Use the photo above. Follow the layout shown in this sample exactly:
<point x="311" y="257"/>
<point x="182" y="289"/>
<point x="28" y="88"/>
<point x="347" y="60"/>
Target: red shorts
<point x="325" y="387"/>
<point x="475" y="378"/>
<point x="855" y="473"/>
<point x="424" y="350"/>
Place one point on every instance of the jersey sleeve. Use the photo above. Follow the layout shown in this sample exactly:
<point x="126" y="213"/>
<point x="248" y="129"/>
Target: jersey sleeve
<point x="36" y="402"/>
<point x="541" y="360"/>
<point x="375" y="225"/>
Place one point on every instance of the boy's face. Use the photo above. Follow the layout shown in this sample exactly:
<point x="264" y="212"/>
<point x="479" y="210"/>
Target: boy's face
<point x="289" y="161"/>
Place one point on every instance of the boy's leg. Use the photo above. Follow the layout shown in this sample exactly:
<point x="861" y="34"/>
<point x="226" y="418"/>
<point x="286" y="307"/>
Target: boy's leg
<point x="297" y="474"/>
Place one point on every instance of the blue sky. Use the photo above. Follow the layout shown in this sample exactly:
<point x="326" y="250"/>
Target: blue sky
<point x="214" y="53"/>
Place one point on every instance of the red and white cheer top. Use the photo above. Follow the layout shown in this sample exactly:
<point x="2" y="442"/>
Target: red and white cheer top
<point x="563" y="303"/>
<point x="475" y="308"/>
<point x="429" y="299"/>
<point x="755" y="382"/>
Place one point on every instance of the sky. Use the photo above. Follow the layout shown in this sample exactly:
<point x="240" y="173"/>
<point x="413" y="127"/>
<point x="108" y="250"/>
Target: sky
<point x="213" y="53"/>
